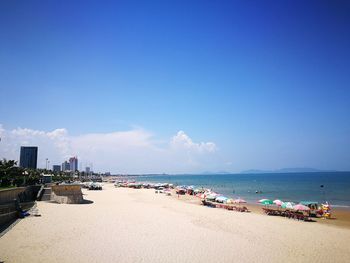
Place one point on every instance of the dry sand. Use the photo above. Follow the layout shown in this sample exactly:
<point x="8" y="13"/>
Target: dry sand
<point x="128" y="225"/>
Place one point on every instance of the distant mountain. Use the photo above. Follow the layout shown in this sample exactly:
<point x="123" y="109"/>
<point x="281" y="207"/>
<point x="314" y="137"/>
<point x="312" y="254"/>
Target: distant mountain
<point x="302" y="170"/>
<point x="287" y="170"/>
<point x="219" y="172"/>
<point x="254" y="171"/>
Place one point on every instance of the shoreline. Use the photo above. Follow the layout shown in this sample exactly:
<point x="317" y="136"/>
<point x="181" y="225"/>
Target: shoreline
<point x="270" y="186"/>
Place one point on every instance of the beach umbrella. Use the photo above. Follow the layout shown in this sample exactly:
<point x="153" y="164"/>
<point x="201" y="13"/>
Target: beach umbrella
<point x="267" y="202"/>
<point x="229" y="201"/>
<point x="288" y="205"/>
<point x="197" y="190"/>
<point x="262" y="200"/>
<point x="221" y="199"/>
<point x="278" y="202"/>
<point x="301" y="207"/>
<point x="202" y="196"/>
<point x="211" y="196"/>
<point x="240" y="201"/>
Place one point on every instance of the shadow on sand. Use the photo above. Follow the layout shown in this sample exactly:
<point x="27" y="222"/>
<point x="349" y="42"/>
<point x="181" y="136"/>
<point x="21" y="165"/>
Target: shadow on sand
<point x="4" y="228"/>
<point x="86" y="202"/>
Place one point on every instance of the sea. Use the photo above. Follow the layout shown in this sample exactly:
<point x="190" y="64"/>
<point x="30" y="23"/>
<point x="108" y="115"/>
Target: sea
<point x="333" y="187"/>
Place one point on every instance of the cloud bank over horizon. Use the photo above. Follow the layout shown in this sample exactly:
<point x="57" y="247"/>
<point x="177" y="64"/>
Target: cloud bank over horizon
<point x="131" y="151"/>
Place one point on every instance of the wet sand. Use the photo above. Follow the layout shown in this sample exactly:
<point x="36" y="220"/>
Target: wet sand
<point x="129" y="225"/>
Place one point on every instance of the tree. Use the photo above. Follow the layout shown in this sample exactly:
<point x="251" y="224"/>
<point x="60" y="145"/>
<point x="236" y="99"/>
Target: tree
<point x="10" y="174"/>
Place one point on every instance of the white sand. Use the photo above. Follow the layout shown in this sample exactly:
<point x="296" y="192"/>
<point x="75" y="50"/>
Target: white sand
<point x="127" y="225"/>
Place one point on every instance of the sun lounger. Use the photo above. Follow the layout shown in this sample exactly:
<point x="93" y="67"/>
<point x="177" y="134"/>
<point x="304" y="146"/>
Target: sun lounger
<point x="287" y="213"/>
<point x="225" y="206"/>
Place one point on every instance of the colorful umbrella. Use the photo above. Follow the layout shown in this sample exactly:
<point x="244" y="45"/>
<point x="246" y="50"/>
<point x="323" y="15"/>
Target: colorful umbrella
<point x="230" y="201"/>
<point x="278" y="202"/>
<point x="239" y="201"/>
<point x="211" y="196"/>
<point x="301" y="207"/>
<point x="202" y="196"/>
<point x="267" y="202"/>
<point x="221" y="199"/>
<point x="288" y="205"/>
<point x="262" y="200"/>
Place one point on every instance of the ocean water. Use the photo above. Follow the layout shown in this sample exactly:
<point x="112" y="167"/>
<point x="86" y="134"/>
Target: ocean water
<point x="285" y="186"/>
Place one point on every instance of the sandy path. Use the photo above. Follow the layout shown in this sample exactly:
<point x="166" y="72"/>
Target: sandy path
<point x="127" y="225"/>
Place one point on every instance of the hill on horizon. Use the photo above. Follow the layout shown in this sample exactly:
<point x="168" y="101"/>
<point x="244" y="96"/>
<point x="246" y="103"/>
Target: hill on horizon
<point x="288" y="170"/>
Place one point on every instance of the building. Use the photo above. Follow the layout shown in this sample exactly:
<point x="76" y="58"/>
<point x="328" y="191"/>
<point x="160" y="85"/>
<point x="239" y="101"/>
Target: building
<point x="47" y="178"/>
<point x="28" y="157"/>
<point x="65" y="166"/>
<point x="56" y="168"/>
<point x="73" y="162"/>
<point x="87" y="170"/>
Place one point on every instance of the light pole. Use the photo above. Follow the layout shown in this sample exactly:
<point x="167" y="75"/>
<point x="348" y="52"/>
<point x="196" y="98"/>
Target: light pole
<point x="25" y="173"/>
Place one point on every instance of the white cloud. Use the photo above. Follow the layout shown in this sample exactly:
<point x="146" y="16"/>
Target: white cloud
<point x="182" y="141"/>
<point x="133" y="151"/>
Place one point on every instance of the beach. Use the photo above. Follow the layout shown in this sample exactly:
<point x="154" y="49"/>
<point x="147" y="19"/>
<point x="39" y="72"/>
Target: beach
<point x="137" y="225"/>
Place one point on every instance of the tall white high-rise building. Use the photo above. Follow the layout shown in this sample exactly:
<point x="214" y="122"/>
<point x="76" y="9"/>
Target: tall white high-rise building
<point x="73" y="163"/>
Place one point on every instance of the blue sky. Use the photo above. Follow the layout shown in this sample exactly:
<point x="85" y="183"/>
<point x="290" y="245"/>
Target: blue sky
<point x="266" y="81"/>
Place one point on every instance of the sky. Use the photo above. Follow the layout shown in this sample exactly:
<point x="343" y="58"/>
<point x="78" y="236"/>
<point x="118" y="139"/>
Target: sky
<point x="177" y="86"/>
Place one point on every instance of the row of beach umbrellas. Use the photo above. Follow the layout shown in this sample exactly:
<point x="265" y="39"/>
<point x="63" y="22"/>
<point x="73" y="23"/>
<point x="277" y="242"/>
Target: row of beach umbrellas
<point x="209" y="195"/>
<point x="286" y="205"/>
<point x="212" y="196"/>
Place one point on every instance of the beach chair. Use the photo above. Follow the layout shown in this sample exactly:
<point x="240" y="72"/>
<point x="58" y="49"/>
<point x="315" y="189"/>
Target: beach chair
<point x="266" y="210"/>
<point x="244" y="209"/>
<point x="229" y="207"/>
<point x="287" y="214"/>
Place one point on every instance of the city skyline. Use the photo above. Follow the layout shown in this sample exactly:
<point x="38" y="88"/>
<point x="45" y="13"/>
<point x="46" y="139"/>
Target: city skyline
<point x="176" y="146"/>
<point x="170" y="87"/>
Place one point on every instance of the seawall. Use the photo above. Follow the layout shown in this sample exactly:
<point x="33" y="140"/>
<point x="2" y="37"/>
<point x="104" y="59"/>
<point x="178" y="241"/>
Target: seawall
<point x="11" y="199"/>
<point x="67" y="194"/>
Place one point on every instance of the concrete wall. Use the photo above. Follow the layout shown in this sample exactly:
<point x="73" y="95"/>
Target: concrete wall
<point x="67" y="194"/>
<point x="8" y="213"/>
<point x="8" y="195"/>
<point x="24" y="195"/>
